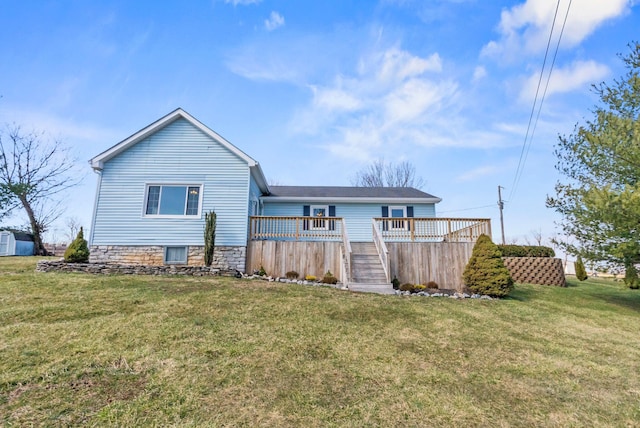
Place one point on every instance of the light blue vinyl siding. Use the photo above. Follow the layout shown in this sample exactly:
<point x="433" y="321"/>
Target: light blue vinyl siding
<point x="357" y="216"/>
<point x="177" y="154"/>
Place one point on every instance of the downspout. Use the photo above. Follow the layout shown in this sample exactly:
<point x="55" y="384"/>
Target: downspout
<point x="95" y="206"/>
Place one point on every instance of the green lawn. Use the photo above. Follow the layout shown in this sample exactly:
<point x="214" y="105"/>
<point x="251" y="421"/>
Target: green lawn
<point x="157" y="351"/>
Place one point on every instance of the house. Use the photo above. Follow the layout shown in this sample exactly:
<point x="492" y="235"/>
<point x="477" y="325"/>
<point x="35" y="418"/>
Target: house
<point x="16" y="243"/>
<point x="155" y="186"/>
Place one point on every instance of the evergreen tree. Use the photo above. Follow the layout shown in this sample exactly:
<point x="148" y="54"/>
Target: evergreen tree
<point x="78" y="250"/>
<point x="600" y="202"/>
<point x="581" y="272"/>
<point x="486" y="273"/>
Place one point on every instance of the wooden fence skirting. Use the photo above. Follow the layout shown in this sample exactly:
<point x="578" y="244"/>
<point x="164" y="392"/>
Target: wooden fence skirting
<point x="421" y="262"/>
<point x="305" y="257"/>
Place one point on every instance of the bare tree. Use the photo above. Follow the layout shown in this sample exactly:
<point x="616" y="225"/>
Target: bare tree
<point x="536" y="234"/>
<point x="73" y="227"/>
<point x="34" y="169"/>
<point x="382" y="174"/>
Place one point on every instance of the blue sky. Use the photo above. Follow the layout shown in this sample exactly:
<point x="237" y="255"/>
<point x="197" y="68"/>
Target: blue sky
<point x="316" y="90"/>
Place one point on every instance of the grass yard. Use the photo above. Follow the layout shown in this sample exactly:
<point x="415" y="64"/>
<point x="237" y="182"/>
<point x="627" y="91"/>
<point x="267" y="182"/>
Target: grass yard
<point x="160" y="351"/>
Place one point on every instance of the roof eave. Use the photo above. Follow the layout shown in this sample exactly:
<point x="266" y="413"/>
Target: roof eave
<point x="358" y="200"/>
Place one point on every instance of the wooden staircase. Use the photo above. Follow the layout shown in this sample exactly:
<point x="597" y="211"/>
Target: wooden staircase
<point x="367" y="273"/>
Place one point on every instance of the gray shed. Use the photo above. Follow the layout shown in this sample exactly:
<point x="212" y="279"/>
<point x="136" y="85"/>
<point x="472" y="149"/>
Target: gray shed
<point x="16" y="243"/>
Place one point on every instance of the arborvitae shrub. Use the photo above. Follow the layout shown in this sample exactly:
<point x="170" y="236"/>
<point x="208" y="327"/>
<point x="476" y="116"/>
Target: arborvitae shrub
<point x="78" y="250"/>
<point x="210" y="220"/>
<point x="581" y="272"/>
<point x="486" y="273"/>
<point x="631" y="277"/>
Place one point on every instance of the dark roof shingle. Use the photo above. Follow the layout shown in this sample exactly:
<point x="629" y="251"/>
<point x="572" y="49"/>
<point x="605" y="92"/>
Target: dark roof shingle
<point x="348" y="192"/>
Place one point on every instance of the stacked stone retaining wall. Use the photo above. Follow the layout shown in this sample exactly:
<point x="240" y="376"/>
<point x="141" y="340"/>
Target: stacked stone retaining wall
<point x="536" y="270"/>
<point x="225" y="258"/>
<point x="121" y="269"/>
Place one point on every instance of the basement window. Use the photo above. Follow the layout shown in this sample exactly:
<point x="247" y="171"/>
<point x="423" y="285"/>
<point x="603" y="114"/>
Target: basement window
<point x="175" y="255"/>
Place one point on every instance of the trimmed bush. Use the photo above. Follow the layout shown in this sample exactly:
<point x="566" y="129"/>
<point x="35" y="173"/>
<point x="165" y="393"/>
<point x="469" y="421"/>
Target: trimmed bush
<point x="78" y="250"/>
<point x="310" y="277"/>
<point x="581" y="272"/>
<point x="329" y="278"/>
<point x="292" y="274"/>
<point x="486" y="273"/>
<point x="526" y="251"/>
<point x="419" y="287"/>
<point x="406" y="287"/>
<point x="432" y="284"/>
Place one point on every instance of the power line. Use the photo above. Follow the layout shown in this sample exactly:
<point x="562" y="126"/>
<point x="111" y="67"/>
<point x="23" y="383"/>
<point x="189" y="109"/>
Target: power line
<point x="524" y="150"/>
<point x="544" y="93"/>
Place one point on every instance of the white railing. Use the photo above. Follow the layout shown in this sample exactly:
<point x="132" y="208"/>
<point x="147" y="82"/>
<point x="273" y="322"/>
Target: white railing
<point x="432" y="229"/>
<point x="383" y="252"/>
<point x="296" y="228"/>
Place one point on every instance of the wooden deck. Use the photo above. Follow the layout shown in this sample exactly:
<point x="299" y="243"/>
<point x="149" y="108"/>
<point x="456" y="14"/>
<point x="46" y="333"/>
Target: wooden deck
<point x="433" y="229"/>
<point x="296" y="228"/>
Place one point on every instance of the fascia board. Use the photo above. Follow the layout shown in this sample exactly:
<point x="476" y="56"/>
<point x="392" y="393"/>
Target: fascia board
<point x="280" y="199"/>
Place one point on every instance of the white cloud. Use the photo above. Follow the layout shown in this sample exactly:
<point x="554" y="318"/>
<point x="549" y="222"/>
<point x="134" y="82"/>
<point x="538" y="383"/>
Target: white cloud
<point x="390" y="103"/>
<point x="275" y="21"/>
<point x="242" y="2"/>
<point x="396" y="64"/>
<point x="576" y="76"/>
<point x="525" y="28"/>
<point x="335" y="99"/>
<point x="479" y="73"/>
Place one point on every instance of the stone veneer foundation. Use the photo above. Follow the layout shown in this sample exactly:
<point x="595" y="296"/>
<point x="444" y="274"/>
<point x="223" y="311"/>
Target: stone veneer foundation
<point x="225" y="258"/>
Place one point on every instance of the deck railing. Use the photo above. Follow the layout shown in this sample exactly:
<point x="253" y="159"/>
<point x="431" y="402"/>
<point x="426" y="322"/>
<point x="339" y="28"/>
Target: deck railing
<point x="296" y="228"/>
<point x="433" y="229"/>
<point x="345" y="258"/>
<point x="383" y="252"/>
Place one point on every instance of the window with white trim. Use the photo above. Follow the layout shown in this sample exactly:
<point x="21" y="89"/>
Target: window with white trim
<point x="319" y="212"/>
<point x="175" y="255"/>
<point x="398" y="212"/>
<point x="173" y="200"/>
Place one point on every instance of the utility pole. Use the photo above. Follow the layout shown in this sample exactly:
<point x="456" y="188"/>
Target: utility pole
<point x="501" y="206"/>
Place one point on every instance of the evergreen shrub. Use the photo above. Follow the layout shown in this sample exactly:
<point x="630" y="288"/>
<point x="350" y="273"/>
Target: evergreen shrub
<point x="581" y="272"/>
<point x="396" y="282"/>
<point x="526" y="251"/>
<point x="486" y="273"/>
<point x="78" y="250"/>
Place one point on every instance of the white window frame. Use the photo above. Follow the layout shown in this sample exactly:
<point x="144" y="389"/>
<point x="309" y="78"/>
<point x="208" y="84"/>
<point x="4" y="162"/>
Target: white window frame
<point x="398" y="224"/>
<point x="317" y="224"/>
<point x="177" y="262"/>
<point x="184" y="216"/>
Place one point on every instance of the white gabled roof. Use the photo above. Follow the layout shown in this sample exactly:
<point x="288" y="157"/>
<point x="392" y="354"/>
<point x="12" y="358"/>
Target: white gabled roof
<point x="97" y="163"/>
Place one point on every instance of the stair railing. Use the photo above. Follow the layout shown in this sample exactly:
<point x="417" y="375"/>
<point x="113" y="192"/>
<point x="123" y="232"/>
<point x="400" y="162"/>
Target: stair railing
<point x="345" y="257"/>
<point x="383" y="252"/>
